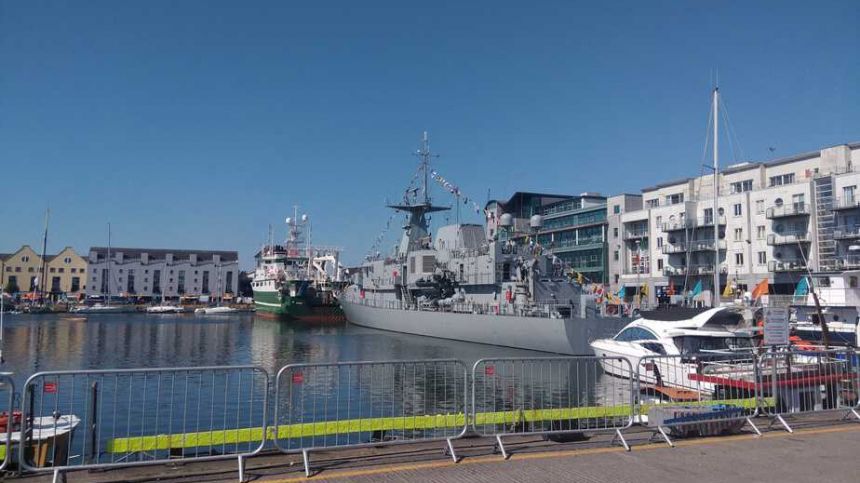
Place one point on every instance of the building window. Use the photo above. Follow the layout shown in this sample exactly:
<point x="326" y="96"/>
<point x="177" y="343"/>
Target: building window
<point x="181" y="288"/>
<point x="25" y="258"/>
<point x="229" y="283"/>
<point x="798" y="202"/>
<point x="760" y="232"/>
<point x="762" y="258"/>
<point x="654" y="203"/>
<point x="13" y="281"/>
<point x="659" y="264"/>
<point x="205" y="281"/>
<point x="61" y="269"/>
<point x="616" y="209"/>
<point x="17" y="269"/>
<point x="742" y="186"/>
<point x="156" y="281"/>
<point x="660" y="242"/>
<point x="675" y="199"/>
<point x="67" y="260"/>
<point x="53" y="270"/>
<point x="105" y="288"/>
<point x="615" y="232"/>
<point x="709" y="216"/>
<point x="759" y="206"/>
<point x="738" y="209"/>
<point x="659" y="221"/>
<point x="848" y="195"/>
<point x="739" y="234"/>
<point x="739" y="258"/>
<point x="55" y="285"/>
<point x="76" y="284"/>
<point x="615" y="255"/>
<point x="130" y="285"/>
<point x="781" y="179"/>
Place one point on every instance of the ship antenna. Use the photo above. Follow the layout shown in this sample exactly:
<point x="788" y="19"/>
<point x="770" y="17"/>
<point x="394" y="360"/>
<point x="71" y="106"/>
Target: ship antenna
<point x="424" y="155"/>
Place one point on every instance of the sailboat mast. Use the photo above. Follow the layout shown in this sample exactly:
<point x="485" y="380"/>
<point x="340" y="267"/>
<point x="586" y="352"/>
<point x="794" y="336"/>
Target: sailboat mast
<point x="43" y="269"/>
<point x="716" y="109"/>
<point x="107" y="301"/>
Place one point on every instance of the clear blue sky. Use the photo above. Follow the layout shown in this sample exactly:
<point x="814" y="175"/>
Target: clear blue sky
<point x="196" y="124"/>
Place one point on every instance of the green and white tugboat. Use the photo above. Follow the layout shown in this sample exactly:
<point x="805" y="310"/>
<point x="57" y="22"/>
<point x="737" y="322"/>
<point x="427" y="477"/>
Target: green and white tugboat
<point x="296" y="280"/>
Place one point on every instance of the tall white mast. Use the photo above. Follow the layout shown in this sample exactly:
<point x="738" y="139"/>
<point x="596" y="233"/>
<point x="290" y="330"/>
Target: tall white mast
<point x="108" y="268"/>
<point x="716" y="108"/>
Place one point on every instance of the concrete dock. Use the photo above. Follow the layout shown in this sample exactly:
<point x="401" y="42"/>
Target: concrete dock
<point x="821" y="448"/>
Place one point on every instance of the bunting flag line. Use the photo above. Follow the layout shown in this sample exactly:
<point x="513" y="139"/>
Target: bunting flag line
<point x="454" y="190"/>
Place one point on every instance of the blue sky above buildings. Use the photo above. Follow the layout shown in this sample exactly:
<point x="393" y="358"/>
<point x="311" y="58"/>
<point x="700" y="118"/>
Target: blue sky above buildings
<point x="196" y="124"/>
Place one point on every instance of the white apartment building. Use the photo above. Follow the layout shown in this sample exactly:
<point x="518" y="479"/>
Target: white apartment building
<point x="145" y="272"/>
<point x="777" y="219"/>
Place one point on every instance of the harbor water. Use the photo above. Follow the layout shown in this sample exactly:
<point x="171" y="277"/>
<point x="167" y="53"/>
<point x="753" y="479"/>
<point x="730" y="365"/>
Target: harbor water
<point x="186" y="403"/>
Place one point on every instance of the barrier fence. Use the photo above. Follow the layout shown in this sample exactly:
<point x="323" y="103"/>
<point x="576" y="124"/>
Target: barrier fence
<point x="109" y="418"/>
<point x="550" y="395"/>
<point x="702" y="394"/>
<point x="75" y="420"/>
<point x="8" y="417"/>
<point x="319" y="406"/>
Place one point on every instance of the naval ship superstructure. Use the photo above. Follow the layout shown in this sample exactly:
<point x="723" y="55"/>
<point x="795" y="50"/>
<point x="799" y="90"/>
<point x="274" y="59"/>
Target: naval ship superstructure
<point x="463" y="285"/>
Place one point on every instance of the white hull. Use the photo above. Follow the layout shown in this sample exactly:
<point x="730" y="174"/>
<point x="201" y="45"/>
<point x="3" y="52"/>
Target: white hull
<point x="569" y="336"/>
<point x="216" y="311"/>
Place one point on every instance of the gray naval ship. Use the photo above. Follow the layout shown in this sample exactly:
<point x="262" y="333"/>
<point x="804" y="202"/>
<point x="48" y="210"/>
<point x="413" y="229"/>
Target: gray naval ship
<point x="467" y="286"/>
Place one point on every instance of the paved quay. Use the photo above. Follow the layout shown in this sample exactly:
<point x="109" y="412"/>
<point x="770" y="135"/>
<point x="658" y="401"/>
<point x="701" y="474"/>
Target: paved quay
<point x="818" y="450"/>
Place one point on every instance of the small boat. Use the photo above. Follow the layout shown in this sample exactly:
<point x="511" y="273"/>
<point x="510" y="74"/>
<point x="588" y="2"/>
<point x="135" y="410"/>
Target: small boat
<point x="215" y="311"/>
<point x="839" y="299"/>
<point x="101" y="309"/>
<point x="165" y="309"/>
<point x="719" y="332"/>
<point x="48" y="440"/>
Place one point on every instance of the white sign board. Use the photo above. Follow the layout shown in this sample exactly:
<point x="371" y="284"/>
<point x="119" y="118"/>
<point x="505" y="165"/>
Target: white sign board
<point x="776" y="328"/>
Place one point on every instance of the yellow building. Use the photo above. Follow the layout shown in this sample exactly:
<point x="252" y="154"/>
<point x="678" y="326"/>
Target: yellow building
<point x="66" y="271"/>
<point x="21" y="269"/>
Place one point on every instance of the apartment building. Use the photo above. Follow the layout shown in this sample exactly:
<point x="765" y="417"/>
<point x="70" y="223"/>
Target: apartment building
<point x="573" y="227"/>
<point x="65" y="272"/>
<point x="776" y="220"/>
<point x="149" y="272"/>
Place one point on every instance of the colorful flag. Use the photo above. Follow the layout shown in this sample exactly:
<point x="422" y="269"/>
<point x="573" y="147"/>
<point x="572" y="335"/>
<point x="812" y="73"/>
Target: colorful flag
<point x="697" y="289"/>
<point x="622" y="292"/>
<point x="671" y="290"/>
<point x="644" y="289"/>
<point x="760" y="289"/>
<point x="802" y="288"/>
<point x="727" y="292"/>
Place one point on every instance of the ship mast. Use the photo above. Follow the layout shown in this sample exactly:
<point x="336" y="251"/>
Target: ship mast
<point x="716" y="301"/>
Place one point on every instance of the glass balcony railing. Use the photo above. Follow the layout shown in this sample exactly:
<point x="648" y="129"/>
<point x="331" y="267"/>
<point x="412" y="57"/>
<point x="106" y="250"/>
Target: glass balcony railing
<point x="693" y="246"/>
<point x="846" y="203"/>
<point x="786" y="265"/>
<point x="688" y="223"/>
<point x="788" y="238"/>
<point x="798" y="209"/>
<point x="847" y="232"/>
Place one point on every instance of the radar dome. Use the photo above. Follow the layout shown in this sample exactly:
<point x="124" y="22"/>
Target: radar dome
<point x="305" y="217"/>
<point x="289" y="220"/>
<point x="506" y="220"/>
<point x="536" y="221"/>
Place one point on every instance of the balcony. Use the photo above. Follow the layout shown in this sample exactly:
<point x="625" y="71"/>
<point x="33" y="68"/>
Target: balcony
<point x="786" y="211"/>
<point x="847" y="232"/>
<point x="786" y="265"/>
<point x="574" y="244"/>
<point x="633" y="235"/>
<point x="849" y="262"/>
<point x="688" y="223"/>
<point x="788" y="238"/>
<point x="643" y="270"/>
<point x="691" y="270"/>
<point x="693" y="246"/>
<point x="849" y="203"/>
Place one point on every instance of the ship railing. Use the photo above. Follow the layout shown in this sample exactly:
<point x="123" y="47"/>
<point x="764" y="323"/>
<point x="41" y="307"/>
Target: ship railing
<point x="90" y="419"/>
<point x="372" y="403"/>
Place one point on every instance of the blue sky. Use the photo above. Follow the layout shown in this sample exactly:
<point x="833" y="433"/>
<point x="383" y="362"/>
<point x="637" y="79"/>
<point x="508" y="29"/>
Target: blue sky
<point x="196" y="124"/>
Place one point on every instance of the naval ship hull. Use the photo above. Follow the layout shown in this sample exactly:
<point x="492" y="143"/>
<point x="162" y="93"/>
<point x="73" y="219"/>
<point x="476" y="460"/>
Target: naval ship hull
<point x="570" y="336"/>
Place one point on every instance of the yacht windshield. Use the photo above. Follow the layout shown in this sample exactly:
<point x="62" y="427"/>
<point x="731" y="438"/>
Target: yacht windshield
<point x="691" y="344"/>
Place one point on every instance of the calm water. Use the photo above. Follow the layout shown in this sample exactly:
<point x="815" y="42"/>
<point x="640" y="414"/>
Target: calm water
<point x="59" y="342"/>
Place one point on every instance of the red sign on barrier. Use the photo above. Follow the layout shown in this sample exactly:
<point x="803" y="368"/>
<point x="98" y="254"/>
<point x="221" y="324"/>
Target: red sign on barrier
<point x="50" y="387"/>
<point x="298" y="378"/>
<point x="490" y="370"/>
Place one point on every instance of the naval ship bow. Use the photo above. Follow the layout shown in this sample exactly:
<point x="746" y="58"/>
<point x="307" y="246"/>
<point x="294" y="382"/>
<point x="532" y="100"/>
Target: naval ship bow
<point x="472" y="285"/>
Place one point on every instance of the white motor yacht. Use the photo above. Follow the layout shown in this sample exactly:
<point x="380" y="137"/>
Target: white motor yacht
<point x="720" y="332"/>
<point x="215" y="311"/>
<point x="165" y="309"/>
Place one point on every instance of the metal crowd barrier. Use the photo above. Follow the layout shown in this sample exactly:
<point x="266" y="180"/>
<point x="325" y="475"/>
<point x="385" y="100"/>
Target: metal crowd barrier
<point x="7" y="410"/>
<point x="551" y="396"/>
<point x="354" y="404"/>
<point x="702" y="394"/>
<point x="809" y="381"/>
<point x="108" y="418"/>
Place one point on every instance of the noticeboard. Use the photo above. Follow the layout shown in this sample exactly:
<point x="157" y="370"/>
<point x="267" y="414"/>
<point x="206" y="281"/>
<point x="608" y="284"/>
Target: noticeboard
<point x="776" y="328"/>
